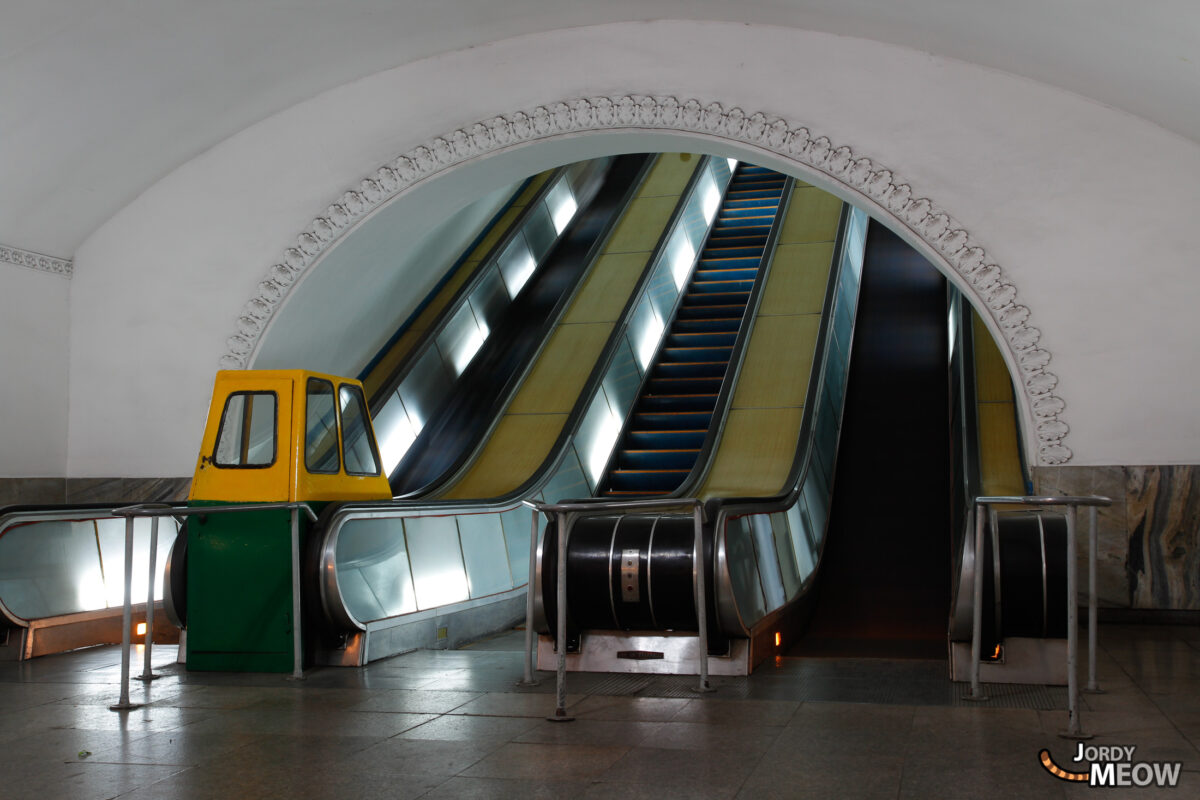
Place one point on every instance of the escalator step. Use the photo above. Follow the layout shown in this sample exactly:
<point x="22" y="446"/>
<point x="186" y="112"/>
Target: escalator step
<point x="677" y="402"/>
<point x="721" y="287"/>
<point x="646" y="479"/>
<point x="756" y="240"/>
<point x="726" y="273"/>
<point x="672" y="420"/>
<point x="694" y="354"/>
<point x="711" y="325"/>
<point x="702" y="339"/>
<point x="682" y="385"/>
<point x="714" y="252"/>
<point x="658" y="459"/>
<point x="700" y="311"/>
<point x="666" y="440"/>
<point x="715" y="299"/>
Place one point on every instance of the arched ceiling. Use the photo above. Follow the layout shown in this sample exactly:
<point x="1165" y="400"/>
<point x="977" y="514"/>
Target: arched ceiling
<point x="99" y="101"/>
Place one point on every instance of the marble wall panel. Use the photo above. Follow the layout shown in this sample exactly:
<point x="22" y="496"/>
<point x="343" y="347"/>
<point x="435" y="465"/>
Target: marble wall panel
<point x="1164" y="544"/>
<point x="54" y="491"/>
<point x="1148" y="554"/>
<point x="127" y="490"/>
<point x="31" y="491"/>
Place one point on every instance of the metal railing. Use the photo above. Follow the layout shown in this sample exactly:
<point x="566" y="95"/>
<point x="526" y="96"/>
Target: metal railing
<point x="154" y="511"/>
<point x="1092" y="502"/>
<point x="566" y="514"/>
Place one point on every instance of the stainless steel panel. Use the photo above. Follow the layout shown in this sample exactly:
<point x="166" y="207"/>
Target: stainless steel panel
<point x="516" y="264"/>
<point x="489" y="299"/>
<point x="539" y="233"/>
<point x="460" y="339"/>
<point x="425" y="387"/>
<point x="439" y="576"/>
<point x="768" y="561"/>
<point x="622" y="380"/>
<point x="517" y="527"/>
<point x="373" y="572"/>
<point x="485" y="554"/>
<point x="568" y="482"/>
<point x="630" y="575"/>
<point x="743" y="572"/>
<point x="597" y="435"/>
<point x="788" y="563"/>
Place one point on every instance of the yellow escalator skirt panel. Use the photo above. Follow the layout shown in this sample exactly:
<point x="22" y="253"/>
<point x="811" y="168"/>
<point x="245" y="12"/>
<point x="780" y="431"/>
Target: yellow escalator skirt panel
<point x="798" y="279"/>
<point x="999" y="453"/>
<point x="777" y="368"/>
<point x="642" y="225"/>
<point x="538" y="411"/>
<point x="515" y="449"/>
<point x="812" y="217"/>
<point x="607" y="288"/>
<point x="762" y="384"/>
<point x="562" y="369"/>
<point x="756" y="452"/>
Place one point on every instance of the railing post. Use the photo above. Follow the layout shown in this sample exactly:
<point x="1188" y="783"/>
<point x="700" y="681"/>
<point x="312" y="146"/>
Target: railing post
<point x="1092" y="686"/>
<point x="297" y="655"/>
<point x="977" y="606"/>
<point x="560" y="709"/>
<point x="701" y="596"/>
<point x="147" y="668"/>
<point x="123" y="703"/>
<point x="1073" y="730"/>
<point x="529" y="638"/>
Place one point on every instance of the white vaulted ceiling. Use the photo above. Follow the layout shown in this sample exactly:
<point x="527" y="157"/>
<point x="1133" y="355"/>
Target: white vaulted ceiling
<point x="98" y="101"/>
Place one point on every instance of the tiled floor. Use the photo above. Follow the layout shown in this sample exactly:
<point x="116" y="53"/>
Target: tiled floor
<point x="454" y="725"/>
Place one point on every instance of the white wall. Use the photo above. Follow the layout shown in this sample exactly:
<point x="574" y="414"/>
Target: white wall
<point x="338" y="317"/>
<point x="1087" y="209"/>
<point x="34" y="323"/>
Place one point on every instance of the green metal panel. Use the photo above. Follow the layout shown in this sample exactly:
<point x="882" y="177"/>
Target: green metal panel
<point x="240" y="591"/>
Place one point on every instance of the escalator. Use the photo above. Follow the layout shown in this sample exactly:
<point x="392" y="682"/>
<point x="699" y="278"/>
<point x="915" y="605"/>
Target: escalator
<point x="454" y="428"/>
<point x="884" y="582"/>
<point x="674" y="412"/>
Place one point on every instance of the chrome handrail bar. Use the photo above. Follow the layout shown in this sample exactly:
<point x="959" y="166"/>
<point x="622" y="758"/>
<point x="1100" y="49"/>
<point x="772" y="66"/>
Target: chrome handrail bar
<point x="157" y="510"/>
<point x="567" y="513"/>
<point x="1093" y="502"/>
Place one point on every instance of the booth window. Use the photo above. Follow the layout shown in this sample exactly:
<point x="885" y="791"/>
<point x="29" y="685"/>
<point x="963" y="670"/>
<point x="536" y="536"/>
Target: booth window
<point x="320" y="428"/>
<point x="247" y="434"/>
<point x="359" y="446"/>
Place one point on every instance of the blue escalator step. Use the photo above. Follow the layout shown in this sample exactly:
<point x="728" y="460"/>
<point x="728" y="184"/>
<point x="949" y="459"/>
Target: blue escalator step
<point x="646" y="479"/>
<point x="726" y="310"/>
<point x="666" y="440"/>
<point x="701" y="339"/>
<point x="672" y="420"/>
<point x="685" y="385"/>
<point x="658" y="459"/>
<point x="716" y="298"/>
<point x="677" y="402"/>
<point x="755" y="240"/>
<point x="709" y="325"/>
<point x="721" y="287"/>
<point x="693" y="354"/>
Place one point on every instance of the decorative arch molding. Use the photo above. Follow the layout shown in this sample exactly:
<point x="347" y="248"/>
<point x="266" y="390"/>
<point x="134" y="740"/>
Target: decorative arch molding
<point x="960" y="256"/>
